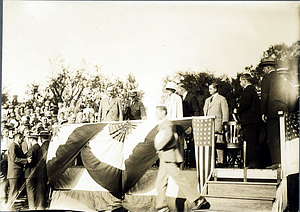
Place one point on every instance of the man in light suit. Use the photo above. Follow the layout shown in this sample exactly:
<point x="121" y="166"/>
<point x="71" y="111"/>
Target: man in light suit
<point x="216" y="105"/>
<point x="110" y="107"/>
<point x="166" y="145"/>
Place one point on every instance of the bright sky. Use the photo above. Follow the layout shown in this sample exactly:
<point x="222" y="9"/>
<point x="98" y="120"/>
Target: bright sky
<point x="149" y="39"/>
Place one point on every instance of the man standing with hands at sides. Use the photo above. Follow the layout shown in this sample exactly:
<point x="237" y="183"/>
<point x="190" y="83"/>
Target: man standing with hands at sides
<point x="216" y="105"/>
<point x="166" y="145"/>
<point x="110" y="107"/>
<point x="249" y="114"/>
<point x="275" y="96"/>
<point x="16" y="162"/>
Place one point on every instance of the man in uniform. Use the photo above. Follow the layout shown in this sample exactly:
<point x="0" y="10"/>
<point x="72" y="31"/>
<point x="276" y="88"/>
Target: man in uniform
<point x="135" y="109"/>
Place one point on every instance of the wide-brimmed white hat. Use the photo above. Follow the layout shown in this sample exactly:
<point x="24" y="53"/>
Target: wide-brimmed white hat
<point x="171" y="85"/>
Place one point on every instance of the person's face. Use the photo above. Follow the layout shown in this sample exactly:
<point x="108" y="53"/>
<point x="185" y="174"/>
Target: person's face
<point x="26" y="132"/>
<point x="44" y="120"/>
<point x="5" y="133"/>
<point x="212" y="90"/>
<point x="169" y="92"/>
<point x="160" y="114"/>
<point x="110" y="92"/>
<point x="20" y="139"/>
<point x="266" y="69"/>
<point x="243" y="82"/>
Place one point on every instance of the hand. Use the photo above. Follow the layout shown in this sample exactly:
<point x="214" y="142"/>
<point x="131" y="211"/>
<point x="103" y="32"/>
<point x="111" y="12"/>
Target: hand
<point x="264" y="117"/>
<point x="234" y="110"/>
<point x="29" y="160"/>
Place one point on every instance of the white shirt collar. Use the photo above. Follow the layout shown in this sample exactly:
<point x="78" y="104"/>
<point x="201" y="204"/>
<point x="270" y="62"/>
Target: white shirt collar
<point x="214" y="95"/>
<point x="184" y="95"/>
<point x="246" y="86"/>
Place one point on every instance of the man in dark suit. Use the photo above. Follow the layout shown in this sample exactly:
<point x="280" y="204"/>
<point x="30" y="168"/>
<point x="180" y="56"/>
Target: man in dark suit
<point x="275" y="93"/>
<point x="190" y="102"/>
<point x="30" y="170"/>
<point x="16" y="162"/>
<point x="249" y="114"/>
<point x="166" y="145"/>
<point x="41" y="176"/>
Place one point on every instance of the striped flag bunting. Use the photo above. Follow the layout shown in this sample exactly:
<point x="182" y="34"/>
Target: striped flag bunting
<point x="115" y="154"/>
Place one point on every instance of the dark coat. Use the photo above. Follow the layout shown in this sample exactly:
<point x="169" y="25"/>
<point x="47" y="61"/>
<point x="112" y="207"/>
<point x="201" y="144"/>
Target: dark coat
<point x="16" y="161"/>
<point x="42" y="169"/>
<point x="190" y="106"/>
<point x="30" y="171"/>
<point x="249" y="106"/>
<point x="275" y="95"/>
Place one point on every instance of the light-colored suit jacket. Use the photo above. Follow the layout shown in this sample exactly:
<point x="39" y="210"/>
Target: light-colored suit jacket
<point x="218" y="108"/>
<point x="110" y="110"/>
<point x="166" y="143"/>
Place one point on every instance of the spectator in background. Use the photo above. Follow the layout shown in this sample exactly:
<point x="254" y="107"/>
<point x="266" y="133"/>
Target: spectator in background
<point x="249" y="114"/>
<point x="173" y="102"/>
<point x="110" y="107"/>
<point x="134" y="109"/>
<point x="88" y="111"/>
<point x="72" y="119"/>
<point x="216" y="105"/>
<point x="4" y="183"/>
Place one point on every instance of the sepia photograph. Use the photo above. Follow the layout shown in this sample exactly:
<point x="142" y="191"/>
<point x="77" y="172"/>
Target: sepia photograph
<point x="145" y="106"/>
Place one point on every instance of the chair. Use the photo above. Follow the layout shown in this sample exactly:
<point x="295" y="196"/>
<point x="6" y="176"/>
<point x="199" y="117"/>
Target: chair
<point x="235" y="148"/>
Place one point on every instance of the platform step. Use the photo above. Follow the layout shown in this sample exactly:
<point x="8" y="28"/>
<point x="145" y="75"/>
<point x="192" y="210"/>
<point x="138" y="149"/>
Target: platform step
<point x="248" y="174"/>
<point x="239" y="204"/>
<point x="242" y="189"/>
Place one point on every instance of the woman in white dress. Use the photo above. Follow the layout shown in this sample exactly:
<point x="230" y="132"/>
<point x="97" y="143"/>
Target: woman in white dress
<point x="173" y="102"/>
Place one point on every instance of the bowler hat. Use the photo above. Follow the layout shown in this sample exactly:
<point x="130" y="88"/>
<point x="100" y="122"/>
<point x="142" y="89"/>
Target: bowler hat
<point x="171" y="85"/>
<point x="267" y="61"/>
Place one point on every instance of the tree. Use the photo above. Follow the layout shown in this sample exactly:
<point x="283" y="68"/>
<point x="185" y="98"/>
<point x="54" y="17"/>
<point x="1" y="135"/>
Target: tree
<point x="68" y="83"/>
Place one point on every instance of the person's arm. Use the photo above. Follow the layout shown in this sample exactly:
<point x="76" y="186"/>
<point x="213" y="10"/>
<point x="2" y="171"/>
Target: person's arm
<point x="120" y="110"/>
<point x="165" y="134"/>
<point x="12" y="154"/>
<point x="265" y="85"/>
<point x="143" y="111"/>
<point x="225" y="110"/>
<point x="100" y="112"/>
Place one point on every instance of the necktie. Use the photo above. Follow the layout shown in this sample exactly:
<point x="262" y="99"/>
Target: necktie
<point x="211" y="99"/>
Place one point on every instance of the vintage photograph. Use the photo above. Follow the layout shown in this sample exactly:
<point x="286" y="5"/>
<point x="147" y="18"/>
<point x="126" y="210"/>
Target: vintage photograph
<point x="141" y="106"/>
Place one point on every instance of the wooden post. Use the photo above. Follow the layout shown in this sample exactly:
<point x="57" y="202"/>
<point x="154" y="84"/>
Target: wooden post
<point x="282" y="143"/>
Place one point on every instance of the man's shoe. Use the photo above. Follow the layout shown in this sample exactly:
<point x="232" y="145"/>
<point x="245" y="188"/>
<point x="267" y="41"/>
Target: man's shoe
<point x="274" y="166"/>
<point x="164" y="209"/>
<point x="201" y="203"/>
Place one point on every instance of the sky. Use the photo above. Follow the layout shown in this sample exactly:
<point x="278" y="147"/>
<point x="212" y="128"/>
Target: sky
<point x="148" y="39"/>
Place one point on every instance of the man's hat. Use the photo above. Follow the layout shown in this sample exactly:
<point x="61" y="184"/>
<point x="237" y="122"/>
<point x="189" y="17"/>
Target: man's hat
<point x="267" y="61"/>
<point x="132" y="92"/>
<point x="10" y="125"/>
<point x="44" y="133"/>
<point x="171" y="85"/>
<point x="34" y="136"/>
